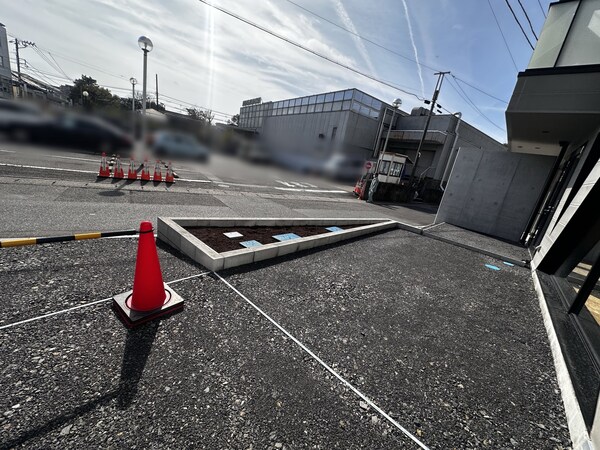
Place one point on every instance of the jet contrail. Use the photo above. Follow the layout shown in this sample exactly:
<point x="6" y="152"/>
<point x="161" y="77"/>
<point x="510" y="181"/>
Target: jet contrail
<point x="412" y="40"/>
<point x="343" y="14"/>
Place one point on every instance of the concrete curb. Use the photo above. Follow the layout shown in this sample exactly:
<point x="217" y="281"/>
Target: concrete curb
<point x="18" y="242"/>
<point x="172" y="231"/>
<point x="516" y="262"/>
<point x="580" y="437"/>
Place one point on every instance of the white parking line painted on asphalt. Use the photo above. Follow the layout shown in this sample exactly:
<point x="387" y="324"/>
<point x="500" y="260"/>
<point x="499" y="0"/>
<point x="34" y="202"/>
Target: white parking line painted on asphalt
<point x="193" y="181"/>
<point x="7" y="151"/>
<point x="63" y="311"/>
<point x="75" y="158"/>
<point x="326" y="366"/>
<point x="24" y="166"/>
<point x="322" y="191"/>
<point x="285" y="183"/>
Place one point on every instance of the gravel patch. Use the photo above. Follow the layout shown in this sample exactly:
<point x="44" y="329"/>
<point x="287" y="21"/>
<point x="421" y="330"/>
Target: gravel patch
<point x="216" y="375"/>
<point x="480" y="241"/>
<point x="456" y="351"/>
<point x="40" y="279"/>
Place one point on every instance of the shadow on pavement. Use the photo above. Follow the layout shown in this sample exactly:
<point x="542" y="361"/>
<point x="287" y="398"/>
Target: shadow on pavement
<point x="137" y="349"/>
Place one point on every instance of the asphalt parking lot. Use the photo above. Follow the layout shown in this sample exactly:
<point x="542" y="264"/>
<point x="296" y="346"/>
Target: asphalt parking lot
<point x="454" y="353"/>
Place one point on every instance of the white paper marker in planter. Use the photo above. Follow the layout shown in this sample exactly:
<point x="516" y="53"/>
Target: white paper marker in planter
<point x="233" y="234"/>
<point x="251" y="243"/>
<point x="286" y="236"/>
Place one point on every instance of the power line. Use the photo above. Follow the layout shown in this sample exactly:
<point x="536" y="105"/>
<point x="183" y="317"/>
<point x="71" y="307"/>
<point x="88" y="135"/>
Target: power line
<point x="306" y="49"/>
<point x="362" y="37"/>
<point x="389" y="50"/>
<point x="467" y="99"/>
<point x="542" y="8"/>
<point x="503" y="37"/>
<point x="480" y="90"/>
<point x="519" y="23"/>
<point x="44" y="76"/>
<point x="528" y="19"/>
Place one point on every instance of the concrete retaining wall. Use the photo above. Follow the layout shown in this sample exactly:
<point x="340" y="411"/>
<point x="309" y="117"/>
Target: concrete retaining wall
<point x="494" y="192"/>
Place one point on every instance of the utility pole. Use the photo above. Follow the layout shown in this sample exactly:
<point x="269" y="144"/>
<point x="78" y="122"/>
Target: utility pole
<point x="23" y="44"/>
<point x="157" y="91"/>
<point x="436" y="93"/>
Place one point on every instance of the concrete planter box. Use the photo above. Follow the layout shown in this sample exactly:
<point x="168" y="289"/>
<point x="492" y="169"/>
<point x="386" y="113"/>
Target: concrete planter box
<point x="172" y="232"/>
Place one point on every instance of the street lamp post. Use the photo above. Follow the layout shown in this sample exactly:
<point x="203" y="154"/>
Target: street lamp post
<point x="146" y="46"/>
<point x="133" y="82"/>
<point x="84" y="96"/>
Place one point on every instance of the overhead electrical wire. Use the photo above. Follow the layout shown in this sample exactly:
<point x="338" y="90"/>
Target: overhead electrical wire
<point x="460" y="91"/>
<point x="519" y="23"/>
<point x="542" y="8"/>
<point x="362" y="37"/>
<point x="528" y="19"/>
<point x="502" y="34"/>
<point x="313" y="52"/>
<point x="483" y="92"/>
<point x="389" y="49"/>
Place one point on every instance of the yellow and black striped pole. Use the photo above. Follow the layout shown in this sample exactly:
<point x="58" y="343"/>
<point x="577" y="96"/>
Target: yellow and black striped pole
<point x="17" y="242"/>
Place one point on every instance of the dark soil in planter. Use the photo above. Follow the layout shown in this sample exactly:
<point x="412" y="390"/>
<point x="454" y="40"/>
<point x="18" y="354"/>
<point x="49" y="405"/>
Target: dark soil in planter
<point x="214" y="237"/>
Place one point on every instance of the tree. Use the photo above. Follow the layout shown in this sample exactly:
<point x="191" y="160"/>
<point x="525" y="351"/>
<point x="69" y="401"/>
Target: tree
<point x="98" y="97"/>
<point x="235" y="120"/>
<point x="200" y="114"/>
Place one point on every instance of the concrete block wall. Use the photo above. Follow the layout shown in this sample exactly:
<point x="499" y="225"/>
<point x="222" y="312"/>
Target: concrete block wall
<point x="494" y="192"/>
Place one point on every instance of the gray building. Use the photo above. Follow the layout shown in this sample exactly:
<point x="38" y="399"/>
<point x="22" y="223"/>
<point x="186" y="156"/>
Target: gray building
<point x="5" y="72"/>
<point x="446" y="136"/>
<point x="305" y="132"/>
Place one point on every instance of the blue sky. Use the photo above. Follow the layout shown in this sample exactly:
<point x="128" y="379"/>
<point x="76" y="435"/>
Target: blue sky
<point x="209" y="59"/>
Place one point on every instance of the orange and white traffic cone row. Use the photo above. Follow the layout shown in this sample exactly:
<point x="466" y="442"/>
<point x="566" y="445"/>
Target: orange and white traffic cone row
<point x="118" y="173"/>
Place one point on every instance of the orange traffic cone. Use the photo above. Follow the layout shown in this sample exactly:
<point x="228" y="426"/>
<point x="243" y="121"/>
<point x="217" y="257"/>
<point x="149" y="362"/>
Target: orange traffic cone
<point x="169" y="177"/>
<point x="131" y="173"/>
<point x="104" y="169"/>
<point x="118" y="172"/>
<point x="145" y="171"/>
<point x="150" y="297"/>
<point x="157" y="172"/>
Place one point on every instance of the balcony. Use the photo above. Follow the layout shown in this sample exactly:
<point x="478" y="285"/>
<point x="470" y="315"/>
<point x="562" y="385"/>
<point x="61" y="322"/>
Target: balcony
<point x="557" y="99"/>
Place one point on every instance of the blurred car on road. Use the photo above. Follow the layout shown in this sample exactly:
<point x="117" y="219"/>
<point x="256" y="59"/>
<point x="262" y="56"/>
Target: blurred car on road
<point x="23" y="122"/>
<point x="17" y="117"/>
<point x="346" y="167"/>
<point x="85" y="133"/>
<point x="176" y="144"/>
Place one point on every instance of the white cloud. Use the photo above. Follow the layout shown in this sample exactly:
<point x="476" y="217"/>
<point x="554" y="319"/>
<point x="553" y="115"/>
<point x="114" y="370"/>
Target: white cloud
<point x="360" y="46"/>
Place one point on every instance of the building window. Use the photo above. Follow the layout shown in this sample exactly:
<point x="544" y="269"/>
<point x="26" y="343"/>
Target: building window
<point x="327" y="107"/>
<point x="583" y="39"/>
<point x="553" y="35"/>
<point x="304" y="101"/>
<point x="339" y="96"/>
<point x="311" y="108"/>
<point x="312" y="100"/>
<point x="384" y="167"/>
<point x="348" y="95"/>
<point x="321" y="98"/>
<point x="396" y="170"/>
<point x="346" y="105"/>
<point x="329" y="97"/>
<point x="337" y="106"/>
<point x="297" y="110"/>
<point x="319" y="107"/>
